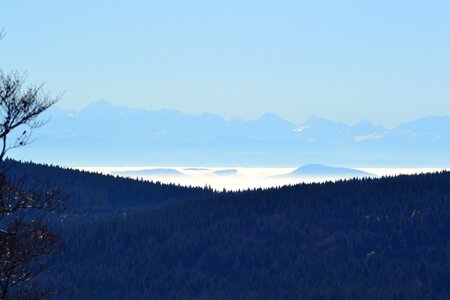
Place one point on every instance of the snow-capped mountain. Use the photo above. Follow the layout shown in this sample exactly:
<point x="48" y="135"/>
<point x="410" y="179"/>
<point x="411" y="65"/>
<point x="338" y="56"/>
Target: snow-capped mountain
<point x="104" y="134"/>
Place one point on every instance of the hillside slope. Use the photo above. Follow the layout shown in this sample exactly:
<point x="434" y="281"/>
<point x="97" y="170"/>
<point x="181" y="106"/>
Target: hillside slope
<point x="95" y="193"/>
<point x="386" y="238"/>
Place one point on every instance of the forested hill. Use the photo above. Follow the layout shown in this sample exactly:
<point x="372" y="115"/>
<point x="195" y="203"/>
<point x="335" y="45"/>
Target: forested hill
<point x="91" y="192"/>
<point x="386" y="238"/>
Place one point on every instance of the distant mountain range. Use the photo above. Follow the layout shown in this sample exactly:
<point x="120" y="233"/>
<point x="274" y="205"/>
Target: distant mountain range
<point x="314" y="170"/>
<point x="104" y="134"/>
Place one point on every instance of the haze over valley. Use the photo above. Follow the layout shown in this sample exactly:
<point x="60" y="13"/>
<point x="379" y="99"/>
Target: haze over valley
<point x="242" y="178"/>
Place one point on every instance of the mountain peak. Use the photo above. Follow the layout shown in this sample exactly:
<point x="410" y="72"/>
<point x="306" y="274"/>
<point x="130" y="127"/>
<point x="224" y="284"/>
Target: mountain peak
<point x="100" y="102"/>
<point x="98" y="105"/>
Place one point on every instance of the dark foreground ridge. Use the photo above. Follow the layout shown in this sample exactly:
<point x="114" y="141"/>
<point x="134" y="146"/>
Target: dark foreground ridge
<point x="385" y="238"/>
<point x="91" y="192"/>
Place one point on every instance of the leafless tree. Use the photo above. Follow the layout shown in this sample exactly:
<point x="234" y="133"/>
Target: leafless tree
<point x="19" y="109"/>
<point x="25" y="238"/>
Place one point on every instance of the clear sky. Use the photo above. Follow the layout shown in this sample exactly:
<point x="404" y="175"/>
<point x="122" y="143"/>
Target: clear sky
<point x="386" y="61"/>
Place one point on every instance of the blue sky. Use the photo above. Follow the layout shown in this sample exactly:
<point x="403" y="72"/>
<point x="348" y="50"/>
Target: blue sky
<point x="387" y="61"/>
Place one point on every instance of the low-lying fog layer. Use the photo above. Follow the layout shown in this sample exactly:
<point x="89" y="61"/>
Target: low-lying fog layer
<point x="235" y="178"/>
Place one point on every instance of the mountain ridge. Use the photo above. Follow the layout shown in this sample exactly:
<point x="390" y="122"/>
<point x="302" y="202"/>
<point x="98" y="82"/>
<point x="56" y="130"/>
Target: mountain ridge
<point x="103" y="133"/>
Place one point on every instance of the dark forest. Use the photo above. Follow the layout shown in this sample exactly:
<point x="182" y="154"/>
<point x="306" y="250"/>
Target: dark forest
<point x="386" y="238"/>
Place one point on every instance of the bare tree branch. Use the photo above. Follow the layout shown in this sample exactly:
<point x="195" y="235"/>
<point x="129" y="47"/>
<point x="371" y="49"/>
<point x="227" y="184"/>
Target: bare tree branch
<point x="20" y="107"/>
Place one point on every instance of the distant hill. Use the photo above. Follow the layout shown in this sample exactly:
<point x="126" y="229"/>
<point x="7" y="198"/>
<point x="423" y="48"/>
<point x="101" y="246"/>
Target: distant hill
<point x="314" y="170"/>
<point x="226" y="172"/>
<point x="149" y="172"/>
<point x="196" y="169"/>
